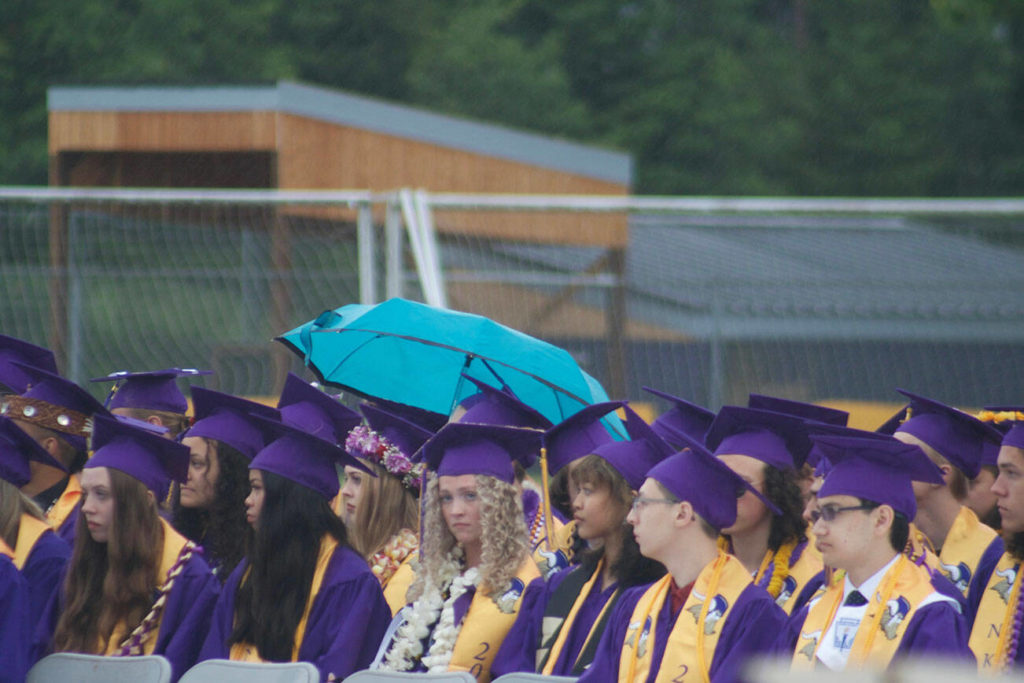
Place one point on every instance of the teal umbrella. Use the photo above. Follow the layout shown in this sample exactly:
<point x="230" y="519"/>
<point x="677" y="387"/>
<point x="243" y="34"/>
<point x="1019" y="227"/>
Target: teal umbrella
<point x="416" y="354"/>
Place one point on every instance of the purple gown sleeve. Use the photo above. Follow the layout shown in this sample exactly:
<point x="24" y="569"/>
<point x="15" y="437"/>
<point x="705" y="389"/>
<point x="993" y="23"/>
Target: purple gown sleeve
<point x="937" y="631"/>
<point x="44" y="572"/>
<point x="186" y="617"/>
<point x="518" y="651"/>
<point x="215" y="645"/>
<point x="15" y="623"/>
<point x="347" y="620"/>
<point x="750" y="630"/>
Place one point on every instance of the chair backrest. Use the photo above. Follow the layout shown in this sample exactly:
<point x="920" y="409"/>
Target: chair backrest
<point x="531" y="678"/>
<point x="225" y="671"/>
<point x="398" y="677"/>
<point x="72" y="666"/>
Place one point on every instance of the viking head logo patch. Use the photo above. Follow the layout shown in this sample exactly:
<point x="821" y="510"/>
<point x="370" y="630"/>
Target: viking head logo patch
<point x="716" y="610"/>
<point x="641" y="642"/>
<point x="895" y="612"/>
<point x="551" y="562"/>
<point x="506" y="602"/>
<point x="788" y="588"/>
<point x="959" y="574"/>
<point x="1003" y="586"/>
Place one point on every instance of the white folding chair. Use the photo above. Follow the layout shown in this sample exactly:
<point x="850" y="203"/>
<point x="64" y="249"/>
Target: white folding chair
<point x="399" y="676"/>
<point x="226" y="671"/>
<point x="72" y="666"/>
<point x="523" y="677"/>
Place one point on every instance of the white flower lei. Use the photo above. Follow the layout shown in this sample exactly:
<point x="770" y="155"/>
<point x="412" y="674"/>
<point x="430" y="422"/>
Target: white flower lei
<point x="407" y="646"/>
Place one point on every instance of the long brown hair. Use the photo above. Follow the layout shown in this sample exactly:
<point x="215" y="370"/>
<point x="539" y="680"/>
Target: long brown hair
<point x="385" y="508"/>
<point x="112" y="582"/>
<point x="13" y="505"/>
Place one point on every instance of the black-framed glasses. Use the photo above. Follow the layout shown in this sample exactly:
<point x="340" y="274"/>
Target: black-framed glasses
<point x="828" y="513"/>
<point x="640" y="502"/>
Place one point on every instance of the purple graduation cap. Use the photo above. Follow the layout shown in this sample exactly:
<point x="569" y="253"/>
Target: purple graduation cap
<point x="696" y="476"/>
<point x="805" y="411"/>
<point x="879" y="470"/>
<point x="683" y="418"/>
<point x="492" y="406"/>
<point x="815" y="457"/>
<point x="148" y="457"/>
<point x="632" y="459"/>
<point x="150" y="390"/>
<point x="230" y="419"/>
<point x="297" y="455"/>
<point x="427" y="419"/>
<point x="578" y="435"/>
<point x="773" y="438"/>
<point x="391" y="442"/>
<point x="954" y="434"/>
<point x="469" y="448"/>
<point x="54" y="403"/>
<point x="14" y="353"/>
<point x="306" y="407"/>
<point x="17" y="450"/>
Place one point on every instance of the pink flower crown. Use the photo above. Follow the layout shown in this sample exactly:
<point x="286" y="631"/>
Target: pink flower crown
<point x="363" y="442"/>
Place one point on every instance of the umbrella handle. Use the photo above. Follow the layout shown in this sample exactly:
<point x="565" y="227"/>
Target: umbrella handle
<point x="548" y="527"/>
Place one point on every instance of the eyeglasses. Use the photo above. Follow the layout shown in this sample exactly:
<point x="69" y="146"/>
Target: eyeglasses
<point x="828" y="513"/>
<point x="640" y="502"/>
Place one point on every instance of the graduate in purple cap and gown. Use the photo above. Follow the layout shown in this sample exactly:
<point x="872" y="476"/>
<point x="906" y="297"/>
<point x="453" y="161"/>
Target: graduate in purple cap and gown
<point x="15" y="621"/>
<point x="209" y="506"/>
<point x="38" y="553"/>
<point x="58" y="415"/>
<point x="999" y="618"/>
<point x="768" y="449"/>
<point x="705" y="618"/>
<point x="152" y="396"/>
<point x="885" y="606"/>
<point x="301" y="593"/>
<point x="493" y="406"/>
<point x="966" y="549"/>
<point x="558" y="630"/>
<point x="382" y="513"/>
<point x="475" y="564"/>
<point x="134" y="585"/>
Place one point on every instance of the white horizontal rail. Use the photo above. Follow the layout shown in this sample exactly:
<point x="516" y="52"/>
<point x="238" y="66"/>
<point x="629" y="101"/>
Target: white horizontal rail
<point x="500" y="202"/>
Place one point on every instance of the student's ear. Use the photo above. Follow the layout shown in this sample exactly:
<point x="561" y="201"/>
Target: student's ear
<point x="685" y="514"/>
<point x="156" y="421"/>
<point x="884" y="517"/>
<point x="151" y="496"/>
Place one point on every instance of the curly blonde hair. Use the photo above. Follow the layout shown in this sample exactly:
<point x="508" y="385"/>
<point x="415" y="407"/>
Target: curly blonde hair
<point x="504" y="544"/>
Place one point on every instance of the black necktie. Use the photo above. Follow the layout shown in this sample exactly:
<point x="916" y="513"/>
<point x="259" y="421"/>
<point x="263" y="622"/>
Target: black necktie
<point x="855" y="599"/>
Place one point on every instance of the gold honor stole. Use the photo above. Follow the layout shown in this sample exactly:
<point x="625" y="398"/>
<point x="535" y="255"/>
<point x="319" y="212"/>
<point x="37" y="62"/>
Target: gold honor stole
<point x="173" y="544"/>
<point x="888" y="613"/>
<point x="805" y="567"/>
<point x="557" y="630"/>
<point x="65" y="503"/>
<point x="691" y="644"/>
<point x="397" y="586"/>
<point x="993" y="623"/>
<point x="486" y="623"/>
<point x="246" y="652"/>
<point x="967" y="541"/>
<point x="29" y="531"/>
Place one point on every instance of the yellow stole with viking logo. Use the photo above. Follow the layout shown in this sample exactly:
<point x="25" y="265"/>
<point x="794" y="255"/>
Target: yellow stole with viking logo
<point x="691" y="644"/>
<point x="486" y="623"/>
<point x="66" y="503"/>
<point x="888" y="614"/>
<point x="246" y="652"/>
<point x="990" y="637"/>
<point x="966" y="542"/>
<point x="29" y="531"/>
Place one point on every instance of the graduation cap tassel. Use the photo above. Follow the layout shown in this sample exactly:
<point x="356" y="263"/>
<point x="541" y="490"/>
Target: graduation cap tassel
<point x="549" y="533"/>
